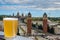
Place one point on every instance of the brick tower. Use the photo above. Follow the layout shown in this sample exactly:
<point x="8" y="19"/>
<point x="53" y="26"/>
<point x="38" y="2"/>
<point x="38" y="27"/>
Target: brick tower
<point x="29" y="24"/>
<point x="45" y="23"/>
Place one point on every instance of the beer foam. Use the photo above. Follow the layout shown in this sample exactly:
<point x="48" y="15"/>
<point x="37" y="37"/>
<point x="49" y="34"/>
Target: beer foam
<point x="10" y="18"/>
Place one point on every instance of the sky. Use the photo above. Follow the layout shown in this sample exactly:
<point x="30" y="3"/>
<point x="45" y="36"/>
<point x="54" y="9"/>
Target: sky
<point x="36" y="7"/>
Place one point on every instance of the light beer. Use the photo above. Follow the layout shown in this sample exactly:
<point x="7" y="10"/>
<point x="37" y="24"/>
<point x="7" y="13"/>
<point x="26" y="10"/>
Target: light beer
<point x="10" y="26"/>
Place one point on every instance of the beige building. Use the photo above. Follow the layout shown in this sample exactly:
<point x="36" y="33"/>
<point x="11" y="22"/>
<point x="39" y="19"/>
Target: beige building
<point x="57" y="29"/>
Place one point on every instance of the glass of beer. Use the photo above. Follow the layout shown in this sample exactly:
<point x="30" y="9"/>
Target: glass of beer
<point x="10" y="27"/>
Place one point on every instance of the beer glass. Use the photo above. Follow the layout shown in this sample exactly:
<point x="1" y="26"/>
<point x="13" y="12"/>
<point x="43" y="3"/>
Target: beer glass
<point x="10" y="27"/>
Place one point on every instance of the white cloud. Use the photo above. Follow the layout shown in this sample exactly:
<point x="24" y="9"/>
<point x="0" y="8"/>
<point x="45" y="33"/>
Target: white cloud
<point x="57" y="3"/>
<point x="47" y="8"/>
<point x="31" y="4"/>
<point x="26" y="7"/>
<point x="16" y="7"/>
<point x="11" y="1"/>
<point x="2" y="2"/>
<point x="17" y="1"/>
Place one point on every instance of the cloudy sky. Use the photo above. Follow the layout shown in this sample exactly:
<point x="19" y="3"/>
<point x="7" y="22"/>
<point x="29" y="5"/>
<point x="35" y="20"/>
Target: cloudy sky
<point x="36" y="7"/>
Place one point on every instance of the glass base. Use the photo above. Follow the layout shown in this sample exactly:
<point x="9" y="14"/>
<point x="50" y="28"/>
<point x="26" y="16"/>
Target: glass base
<point x="10" y="38"/>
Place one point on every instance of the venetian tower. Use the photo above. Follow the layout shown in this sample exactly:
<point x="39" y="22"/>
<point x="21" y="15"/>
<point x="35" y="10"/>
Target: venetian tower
<point x="45" y="23"/>
<point x="29" y="24"/>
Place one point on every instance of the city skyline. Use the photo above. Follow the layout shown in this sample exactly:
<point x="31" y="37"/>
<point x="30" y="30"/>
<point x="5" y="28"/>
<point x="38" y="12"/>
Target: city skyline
<point x="36" y="7"/>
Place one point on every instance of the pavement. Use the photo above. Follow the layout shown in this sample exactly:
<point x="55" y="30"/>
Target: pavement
<point x="34" y="32"/>
<point x="20" y="38"/>
<point x="38" y="32"/>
